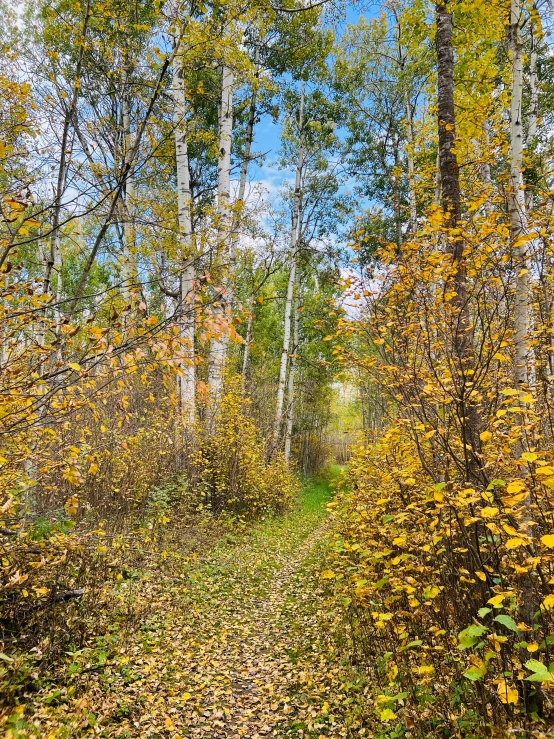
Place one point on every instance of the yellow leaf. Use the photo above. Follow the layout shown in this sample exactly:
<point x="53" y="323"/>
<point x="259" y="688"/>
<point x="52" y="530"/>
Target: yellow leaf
<point x="481" y="575"/>
<point x="507" y="693"/>
<point x="431" y="592"/>
<point x="74" y="366"/>
<point x="327" y="575"/>
<point x="71" y="505"/>
<point x="515" y="487"/>
<point x="515" y="543"/>
<point x="548" y="540"/>
<point x="485" y="435"/>
<point x="387" y="715"/>
<point x="529" y="456"/>
<point x="496" y="600"/>
<point x="548" y="602"/>
<point x="489" y="512"/>
<point x="186" y="697"/>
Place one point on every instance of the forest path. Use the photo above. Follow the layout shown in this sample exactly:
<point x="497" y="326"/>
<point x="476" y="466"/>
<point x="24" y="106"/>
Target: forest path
<point x="244" y="648"/>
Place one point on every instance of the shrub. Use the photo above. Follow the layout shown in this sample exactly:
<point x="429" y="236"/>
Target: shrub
<point x="435" y="579"/>
<point x="230" y="467"/>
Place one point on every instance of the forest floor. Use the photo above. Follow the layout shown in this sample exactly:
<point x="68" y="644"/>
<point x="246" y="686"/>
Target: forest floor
<point x="245" y="643"/>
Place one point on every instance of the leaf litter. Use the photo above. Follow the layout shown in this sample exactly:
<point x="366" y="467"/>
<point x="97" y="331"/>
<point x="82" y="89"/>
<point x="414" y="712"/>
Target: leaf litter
<point x="243" y="643"/>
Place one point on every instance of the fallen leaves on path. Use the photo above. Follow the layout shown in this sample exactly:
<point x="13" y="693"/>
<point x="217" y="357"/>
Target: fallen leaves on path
<point x="240" y="644"/>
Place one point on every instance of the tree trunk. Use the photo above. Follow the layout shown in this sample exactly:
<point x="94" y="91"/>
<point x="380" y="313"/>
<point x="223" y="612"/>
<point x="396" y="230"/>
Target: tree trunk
<point x="516" y="203"/>
<point x="249" y="128"/>
<point x="186" y="248"/>
<point x="292" y="375"/>
<point x="241" y="193"/>
<point x="247" y="342"/>
<point x="412" y="226"/>
<point x="463" y="359"/>
<point x="292" y="277"/>
<point x="222" y="301"/>
<point x="129" y="265"/>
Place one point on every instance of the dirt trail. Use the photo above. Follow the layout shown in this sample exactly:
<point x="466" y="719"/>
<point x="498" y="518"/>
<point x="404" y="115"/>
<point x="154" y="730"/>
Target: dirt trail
<point x="241" y="644"/>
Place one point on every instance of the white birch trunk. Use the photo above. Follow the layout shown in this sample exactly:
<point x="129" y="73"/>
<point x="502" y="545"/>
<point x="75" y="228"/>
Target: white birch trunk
<point x="533" y="115"/>
<point x="284" y="351"/>
<point x="292" y="278"/>
<point x="516" y="203"/>
<point x="292" y="377"/>
<point x="129" y="266"/>
<point x="58" y="313"/>
<point x="411" y="168"/>
<point x="222" y="304"/>
<point x="247" y="342"/>
<point x="185" y="242"/>
<point x="249" y="129"/>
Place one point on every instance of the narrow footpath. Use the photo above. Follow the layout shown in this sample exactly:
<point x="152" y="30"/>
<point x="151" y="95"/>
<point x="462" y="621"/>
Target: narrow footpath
<point x="246" y="647"/>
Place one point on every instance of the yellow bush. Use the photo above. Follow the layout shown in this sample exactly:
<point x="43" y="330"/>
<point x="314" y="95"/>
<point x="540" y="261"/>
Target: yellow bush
<point x="435" y="579"/>
<point x="231" y="469"/>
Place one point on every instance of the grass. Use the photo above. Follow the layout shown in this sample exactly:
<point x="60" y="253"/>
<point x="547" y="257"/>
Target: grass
<point x="249" y="610"/>
<point x="318" y="490"/>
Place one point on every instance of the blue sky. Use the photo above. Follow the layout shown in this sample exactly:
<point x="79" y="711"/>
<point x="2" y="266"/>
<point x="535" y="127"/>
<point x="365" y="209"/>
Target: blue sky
<point x="267" y="133"/>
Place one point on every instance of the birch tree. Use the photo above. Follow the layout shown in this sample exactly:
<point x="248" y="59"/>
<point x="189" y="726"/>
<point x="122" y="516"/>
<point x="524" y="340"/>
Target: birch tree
<point x="186" y="307"/>
<point x="223" y="299"/>
<point x="521" y="241"/>
<point x="289" y="416"/>
<point x="296" y="217"/>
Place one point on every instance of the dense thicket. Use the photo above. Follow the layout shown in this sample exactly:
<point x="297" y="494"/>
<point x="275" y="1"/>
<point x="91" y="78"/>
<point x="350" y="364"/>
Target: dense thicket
<point x="154" y="301"/>
<point x="174" y="341"/>
<point x="443" y="549"/>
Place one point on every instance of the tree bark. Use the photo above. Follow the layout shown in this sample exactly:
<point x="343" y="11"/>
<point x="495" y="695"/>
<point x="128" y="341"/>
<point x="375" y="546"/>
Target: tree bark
<point x="187" y="381"/>
<point x="412" y="226"/>
<point x="129" y="264"/>
<point x="249" y="128"/>
<point x="222" y="301"/>
<point x="247" y="342"/>
<point x="463" y="359"/>
<point x="516" y="203"/>
<point x="292" y="277"/>
<point x="292" y="375"/>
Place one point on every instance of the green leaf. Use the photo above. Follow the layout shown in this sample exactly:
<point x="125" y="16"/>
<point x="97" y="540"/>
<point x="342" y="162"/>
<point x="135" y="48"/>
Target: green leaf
<point x="535" y="666"/>
<point x="483" y="612"/>
<point x="506" y="621"/>
<point x="470" y="636"/>
<point x="548" y="640"/>
<point x="541" y="677"/>
<point x="474" y="673"/>
<point x="540" y="672"/>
